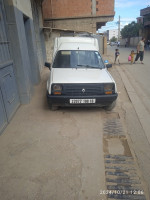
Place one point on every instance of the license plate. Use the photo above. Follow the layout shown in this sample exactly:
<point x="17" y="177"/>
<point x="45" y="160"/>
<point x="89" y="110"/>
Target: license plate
<point x="82" y="101"/>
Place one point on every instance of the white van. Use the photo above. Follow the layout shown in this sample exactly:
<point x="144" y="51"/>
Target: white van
<point x="78" y="76"/>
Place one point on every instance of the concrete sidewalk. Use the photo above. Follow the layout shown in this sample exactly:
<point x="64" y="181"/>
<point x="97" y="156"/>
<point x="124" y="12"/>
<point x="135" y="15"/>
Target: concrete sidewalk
<point x="46" y="155"/>
<point x="137" y="83"/>
<point x="136" y="80"/>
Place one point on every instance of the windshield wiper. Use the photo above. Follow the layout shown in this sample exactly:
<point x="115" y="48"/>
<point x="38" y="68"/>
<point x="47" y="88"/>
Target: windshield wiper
<point x="89" y="66"/>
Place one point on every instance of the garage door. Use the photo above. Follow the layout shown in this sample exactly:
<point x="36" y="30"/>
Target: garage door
<point x="9" y="91"/>
<point x="9" y="100"/>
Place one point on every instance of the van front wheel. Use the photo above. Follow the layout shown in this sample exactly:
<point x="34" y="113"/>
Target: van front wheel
<point x="52" y="107"/>
<point x="111" y="106"/>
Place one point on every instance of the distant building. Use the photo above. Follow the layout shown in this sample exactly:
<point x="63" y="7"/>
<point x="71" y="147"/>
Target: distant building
<point x="145" y="13"/>
<point x="112" y="33"/>
<point x="139" y="20"/>
<point x="79" y="15"/>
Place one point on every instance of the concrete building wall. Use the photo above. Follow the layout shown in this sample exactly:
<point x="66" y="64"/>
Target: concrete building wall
<point x="134" y="41"/>
<point x="83" y="15"/>
<point x="131" y="42"/>
<point x="93" y="6"/>
<point x="23" y="41"/>
<point x="146" y="33"/>
<point x="49" y="42"/>
<point x="38" y="33"/>
<point x="17" y="33"/>
<point x="24" y="6"/>
<point x="145" y="15"/>
<point x="82" y="24"/>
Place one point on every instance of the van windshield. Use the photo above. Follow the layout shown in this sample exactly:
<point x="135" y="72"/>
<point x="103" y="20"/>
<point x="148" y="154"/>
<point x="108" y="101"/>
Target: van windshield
<point x="78" y="59"/>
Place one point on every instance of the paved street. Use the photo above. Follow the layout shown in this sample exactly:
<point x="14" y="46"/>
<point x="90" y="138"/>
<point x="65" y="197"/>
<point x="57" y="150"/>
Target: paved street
<point x="77" y="153"/>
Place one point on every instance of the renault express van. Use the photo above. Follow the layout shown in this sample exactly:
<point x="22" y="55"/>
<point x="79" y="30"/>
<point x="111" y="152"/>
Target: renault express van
<point x="78" y="75"/>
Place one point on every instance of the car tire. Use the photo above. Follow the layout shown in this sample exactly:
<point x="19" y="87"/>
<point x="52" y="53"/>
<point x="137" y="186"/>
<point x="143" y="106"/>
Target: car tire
<point x="52" y="107"/>
<point x="111" y="106"/>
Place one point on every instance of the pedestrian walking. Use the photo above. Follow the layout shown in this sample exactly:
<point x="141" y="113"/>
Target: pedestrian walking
<point x="148" y="44"/>
<point x="140" y="51"/>
<point x="131" y="56"/>
<point x="118" y="44"/>
<point x="117" y="54"/>
<point x="126" y="43"/>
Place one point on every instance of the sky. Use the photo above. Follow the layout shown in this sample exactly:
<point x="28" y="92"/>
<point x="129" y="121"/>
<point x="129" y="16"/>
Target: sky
<point x="128" y="10"/>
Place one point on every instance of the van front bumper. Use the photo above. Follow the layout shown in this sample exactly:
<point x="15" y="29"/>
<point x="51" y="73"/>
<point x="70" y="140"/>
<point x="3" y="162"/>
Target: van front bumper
<point x="101" y="100"/>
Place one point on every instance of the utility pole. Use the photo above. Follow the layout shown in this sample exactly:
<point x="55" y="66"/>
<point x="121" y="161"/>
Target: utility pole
<point x="119" y="29"/>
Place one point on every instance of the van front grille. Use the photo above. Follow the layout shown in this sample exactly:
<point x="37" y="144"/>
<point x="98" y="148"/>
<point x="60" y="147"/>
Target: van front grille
<point x="82" y="89"/>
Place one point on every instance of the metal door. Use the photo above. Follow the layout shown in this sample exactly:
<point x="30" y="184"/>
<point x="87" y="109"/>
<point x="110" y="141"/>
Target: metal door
<point x="9" y="100"/>
<point x="9" y="91"/>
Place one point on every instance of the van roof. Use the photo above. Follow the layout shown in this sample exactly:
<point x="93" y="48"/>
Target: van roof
<point x="77" y="46"/>
<point x="77" y="43"/>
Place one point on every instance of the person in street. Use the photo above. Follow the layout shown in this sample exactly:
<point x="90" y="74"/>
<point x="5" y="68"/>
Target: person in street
<point x="148" y="45"/>
<point x="140" y="51"/>
<point x="118" y="43"/>
<point x="131" y="56"/>
<point x="126" y="43"/>
<point x="117" y="54"/>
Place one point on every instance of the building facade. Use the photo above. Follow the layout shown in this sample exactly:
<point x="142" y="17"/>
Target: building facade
<point x="112" y="33"/>
<point x="145" y="13"/>
<point x="139" y="20"/>
<point x="22" y="54"/>
<point x="79" y="15"/>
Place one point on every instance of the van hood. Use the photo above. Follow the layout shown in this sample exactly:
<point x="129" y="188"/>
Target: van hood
<point x="80" y="75"/>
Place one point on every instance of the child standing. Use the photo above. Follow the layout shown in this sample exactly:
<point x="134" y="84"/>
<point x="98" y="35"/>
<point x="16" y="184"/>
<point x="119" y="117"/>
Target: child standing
<point x="132" y="56"/>
<point x="117" y="56"/>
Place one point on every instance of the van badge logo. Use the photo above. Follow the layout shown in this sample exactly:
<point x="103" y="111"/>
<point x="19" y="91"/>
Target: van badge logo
<point x="83" y="90"/>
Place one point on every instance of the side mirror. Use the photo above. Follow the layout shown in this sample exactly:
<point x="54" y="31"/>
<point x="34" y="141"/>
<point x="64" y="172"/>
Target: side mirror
<point x="109" y="65"/>
<point x="47" y="65"/>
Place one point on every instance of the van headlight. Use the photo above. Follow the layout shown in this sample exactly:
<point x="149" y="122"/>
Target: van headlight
<point x="109" y="88"/>
<point x="56" y="89"/>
